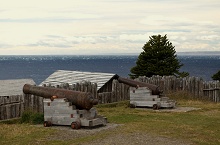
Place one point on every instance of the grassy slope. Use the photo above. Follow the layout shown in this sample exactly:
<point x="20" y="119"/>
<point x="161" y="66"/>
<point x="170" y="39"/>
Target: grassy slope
<point x="200" y="127"/>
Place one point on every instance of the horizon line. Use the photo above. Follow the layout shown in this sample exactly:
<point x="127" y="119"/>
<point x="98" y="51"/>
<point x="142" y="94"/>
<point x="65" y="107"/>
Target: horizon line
<point x="178" y="53"/>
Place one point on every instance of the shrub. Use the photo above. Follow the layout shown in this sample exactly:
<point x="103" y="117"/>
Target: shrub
<point x="32" y="117"/>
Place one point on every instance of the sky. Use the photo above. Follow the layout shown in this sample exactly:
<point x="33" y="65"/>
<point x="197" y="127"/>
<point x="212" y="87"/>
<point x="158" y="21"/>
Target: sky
<point x="74" y="27"/>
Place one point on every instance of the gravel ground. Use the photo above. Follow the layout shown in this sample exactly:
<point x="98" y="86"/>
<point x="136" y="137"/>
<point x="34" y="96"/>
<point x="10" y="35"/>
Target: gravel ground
<point x="176" y="109"/>
<point x="66" y="133"/>
<point x="137" y="139"/>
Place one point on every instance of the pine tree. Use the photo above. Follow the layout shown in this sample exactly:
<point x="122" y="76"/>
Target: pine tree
<point x="216" y="76"/>
<point x="158" y="58"/>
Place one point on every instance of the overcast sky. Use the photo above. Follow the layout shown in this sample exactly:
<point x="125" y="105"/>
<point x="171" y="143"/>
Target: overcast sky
<point x="106" y="26"/>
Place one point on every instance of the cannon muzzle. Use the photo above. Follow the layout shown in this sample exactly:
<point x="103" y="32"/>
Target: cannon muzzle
<point x="82" y="100"/>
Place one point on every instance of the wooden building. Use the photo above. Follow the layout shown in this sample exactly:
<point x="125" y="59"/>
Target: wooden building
<point x="103" y="85"/>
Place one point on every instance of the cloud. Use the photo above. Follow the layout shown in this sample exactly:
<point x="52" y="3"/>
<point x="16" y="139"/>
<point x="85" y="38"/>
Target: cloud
<point x="30" y="15"/>
<point x="209" y="37"/>
<point x="29" y="26"/>
<point x="139" y="38"/>
<point x="165" y="20"/>
<point x="161" y="22"/>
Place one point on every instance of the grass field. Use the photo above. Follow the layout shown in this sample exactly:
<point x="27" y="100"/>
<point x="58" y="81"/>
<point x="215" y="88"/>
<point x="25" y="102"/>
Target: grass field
<point x="198" y="127"/>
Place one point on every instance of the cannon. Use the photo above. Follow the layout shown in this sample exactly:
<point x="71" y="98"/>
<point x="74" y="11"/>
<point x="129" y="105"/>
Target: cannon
<point x="82" y="100"/>
<point x="146" y="95"/>
<point x="67" y="107"/>
<point x="154" y="88"/>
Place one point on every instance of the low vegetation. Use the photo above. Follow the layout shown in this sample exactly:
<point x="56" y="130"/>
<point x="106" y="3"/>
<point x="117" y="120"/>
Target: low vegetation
<point x="197" y="127"/>
<point x="32" y="117"/>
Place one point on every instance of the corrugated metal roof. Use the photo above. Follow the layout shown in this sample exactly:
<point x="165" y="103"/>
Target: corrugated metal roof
<point x="13" y="87"/>
<point x="73" y="77"/>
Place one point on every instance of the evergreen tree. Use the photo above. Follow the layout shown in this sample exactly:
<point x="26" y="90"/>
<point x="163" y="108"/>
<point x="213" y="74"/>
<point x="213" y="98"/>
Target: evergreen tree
<point x="158" y="58"/>
<point x="216" y="76"/>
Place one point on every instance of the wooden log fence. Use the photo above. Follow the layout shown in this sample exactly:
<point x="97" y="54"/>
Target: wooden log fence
<point x="13" y="106"/>
<point x="193" y="85"/>
<point x="120" y="92"/>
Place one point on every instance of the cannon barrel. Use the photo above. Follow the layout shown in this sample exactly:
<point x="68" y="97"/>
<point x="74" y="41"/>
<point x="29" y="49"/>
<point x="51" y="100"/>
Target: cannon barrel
<point x="82" y="100"/>
<point x="133" y="83"/>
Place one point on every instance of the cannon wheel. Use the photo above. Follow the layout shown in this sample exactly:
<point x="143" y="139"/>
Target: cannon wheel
<point x="75" y="125"/>
<point x="47" y="124"/>
<point x="155" y="107"/>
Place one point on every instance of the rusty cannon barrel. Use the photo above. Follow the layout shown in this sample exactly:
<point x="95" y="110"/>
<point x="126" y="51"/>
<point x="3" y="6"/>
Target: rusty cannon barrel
<point x="154" y="88"/>
<point x="82" y="100"/>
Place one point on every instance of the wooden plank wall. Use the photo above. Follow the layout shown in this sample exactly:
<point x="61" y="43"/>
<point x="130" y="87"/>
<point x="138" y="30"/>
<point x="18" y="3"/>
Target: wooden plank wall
<point x="11" y="106"/>
<point x="120" y="92"/>
<point x="196" y="86"/>
<point x="33" y="103"/>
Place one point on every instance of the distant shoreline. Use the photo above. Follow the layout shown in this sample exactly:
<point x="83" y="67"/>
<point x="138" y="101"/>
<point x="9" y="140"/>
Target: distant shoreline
<point x="200" y="53"/>
<point x="193" y="53"/>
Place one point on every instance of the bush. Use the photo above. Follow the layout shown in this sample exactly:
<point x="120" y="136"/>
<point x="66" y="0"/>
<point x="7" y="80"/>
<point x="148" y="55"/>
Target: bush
<point x="32" y="117"/>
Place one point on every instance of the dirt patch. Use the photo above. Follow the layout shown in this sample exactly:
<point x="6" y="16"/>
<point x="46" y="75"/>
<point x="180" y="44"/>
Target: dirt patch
<point x="86" y="129"/>
<point x="176" y="109"/>
<point x="136" y="139"/>
<point x="181" y="109"/>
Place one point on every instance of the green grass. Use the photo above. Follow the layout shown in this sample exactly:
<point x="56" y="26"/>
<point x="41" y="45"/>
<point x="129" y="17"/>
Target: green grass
<point x="23" y="134"/>
<point x="199" y="127"/>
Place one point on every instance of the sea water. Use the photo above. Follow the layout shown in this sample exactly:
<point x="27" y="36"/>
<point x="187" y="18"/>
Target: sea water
<point x="39" y="68"/>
